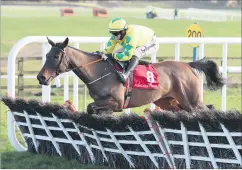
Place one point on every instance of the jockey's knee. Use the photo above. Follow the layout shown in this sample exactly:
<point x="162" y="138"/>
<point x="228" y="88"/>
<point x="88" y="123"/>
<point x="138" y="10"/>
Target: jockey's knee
<point x="109" y="55"/>
<point x="135" y="56"/>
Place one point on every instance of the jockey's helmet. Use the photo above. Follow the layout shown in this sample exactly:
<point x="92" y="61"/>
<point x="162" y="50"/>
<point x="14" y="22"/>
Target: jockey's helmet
<point x="117" y="25"/>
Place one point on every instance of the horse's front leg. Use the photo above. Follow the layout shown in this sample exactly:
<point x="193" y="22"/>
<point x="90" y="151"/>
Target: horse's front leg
<point x="107" y="106"/>
<point x="93" y="108"/>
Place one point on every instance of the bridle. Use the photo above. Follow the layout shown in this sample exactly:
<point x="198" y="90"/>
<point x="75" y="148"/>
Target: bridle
<point x="64" y="57"/>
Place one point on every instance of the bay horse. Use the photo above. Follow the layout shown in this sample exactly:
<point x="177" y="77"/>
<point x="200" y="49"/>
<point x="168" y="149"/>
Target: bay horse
<point x="177" y="80"/>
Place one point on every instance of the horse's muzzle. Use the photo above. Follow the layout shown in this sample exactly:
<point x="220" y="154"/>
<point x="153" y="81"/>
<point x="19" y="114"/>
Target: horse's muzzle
<point x="42" y="80"/>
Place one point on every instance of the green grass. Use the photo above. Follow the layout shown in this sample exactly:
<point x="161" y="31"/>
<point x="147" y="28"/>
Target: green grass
<point x="21" y="160"/>
<point x="46" y="21"/>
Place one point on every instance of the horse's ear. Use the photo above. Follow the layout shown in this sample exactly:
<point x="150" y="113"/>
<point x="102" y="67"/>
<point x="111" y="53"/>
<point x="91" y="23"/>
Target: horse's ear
<point x="51" y="42"/>
<point x="65" y="43"/>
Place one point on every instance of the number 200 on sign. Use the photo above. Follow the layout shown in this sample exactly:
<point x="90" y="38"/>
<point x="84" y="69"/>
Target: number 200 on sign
<point x="192" y="33"/>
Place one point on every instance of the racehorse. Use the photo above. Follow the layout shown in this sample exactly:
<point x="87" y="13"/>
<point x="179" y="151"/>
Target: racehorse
<point x="177" y="80"/>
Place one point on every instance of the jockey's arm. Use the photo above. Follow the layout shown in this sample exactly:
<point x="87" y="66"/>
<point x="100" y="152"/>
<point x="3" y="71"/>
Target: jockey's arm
<point x="130" y="44"/>
<point x="110" y="45"/>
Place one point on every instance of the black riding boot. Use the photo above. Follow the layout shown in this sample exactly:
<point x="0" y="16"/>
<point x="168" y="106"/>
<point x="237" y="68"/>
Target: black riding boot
<point x="132" y="64"/>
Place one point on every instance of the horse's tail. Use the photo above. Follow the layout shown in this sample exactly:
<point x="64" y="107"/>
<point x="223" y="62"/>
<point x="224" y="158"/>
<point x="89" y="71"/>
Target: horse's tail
<point x="210" y="69"/>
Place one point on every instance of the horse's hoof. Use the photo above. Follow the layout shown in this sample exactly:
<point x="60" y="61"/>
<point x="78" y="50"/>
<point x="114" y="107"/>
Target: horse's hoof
<point x="90" y="109"/>
<point x="157" y="109"/>
<point x="68" y="105"/>
<point x="211" y="107"/>
<point x="147" y="110"/>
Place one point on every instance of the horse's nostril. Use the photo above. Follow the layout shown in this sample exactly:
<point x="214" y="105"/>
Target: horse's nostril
<point x="41" y="79"/>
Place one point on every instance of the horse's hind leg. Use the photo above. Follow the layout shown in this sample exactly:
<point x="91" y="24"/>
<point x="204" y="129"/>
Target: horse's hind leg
<point x="202" y="106"/>
<point x="186" y="98"/>
<point x="168" y="103"/>
<point x="190" y="98"/>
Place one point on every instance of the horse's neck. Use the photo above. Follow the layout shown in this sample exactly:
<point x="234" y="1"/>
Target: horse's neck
<point x="80" y="58"/>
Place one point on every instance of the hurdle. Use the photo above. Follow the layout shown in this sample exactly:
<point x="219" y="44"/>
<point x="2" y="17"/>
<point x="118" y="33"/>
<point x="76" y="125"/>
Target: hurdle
<point x="158" y="140"/>
<point x="66" y="12"/>
<point x="100" y="12"/>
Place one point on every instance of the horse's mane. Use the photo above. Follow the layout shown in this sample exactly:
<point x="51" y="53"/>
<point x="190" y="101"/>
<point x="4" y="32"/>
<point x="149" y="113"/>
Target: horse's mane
<point x="86" y="53"/>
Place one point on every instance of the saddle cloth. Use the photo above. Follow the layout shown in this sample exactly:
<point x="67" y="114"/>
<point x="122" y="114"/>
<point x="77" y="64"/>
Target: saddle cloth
<point x="143" y="77"/>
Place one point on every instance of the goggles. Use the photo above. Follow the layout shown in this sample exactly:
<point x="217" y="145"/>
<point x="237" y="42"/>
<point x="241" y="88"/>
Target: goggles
<point x="115" y="33"/>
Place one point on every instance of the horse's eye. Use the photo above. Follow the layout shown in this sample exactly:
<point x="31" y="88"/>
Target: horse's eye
<point x="57" y="57"/>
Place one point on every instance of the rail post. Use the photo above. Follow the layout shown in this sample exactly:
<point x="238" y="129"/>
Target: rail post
<point x="20" y="77"/>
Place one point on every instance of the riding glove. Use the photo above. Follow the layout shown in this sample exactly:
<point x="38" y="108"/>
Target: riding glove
<point x="98" y="53"/>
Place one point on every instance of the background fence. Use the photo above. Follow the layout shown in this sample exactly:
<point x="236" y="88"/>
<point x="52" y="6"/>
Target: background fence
<point x="22" y="74"/>
<point x="196" y="14"/>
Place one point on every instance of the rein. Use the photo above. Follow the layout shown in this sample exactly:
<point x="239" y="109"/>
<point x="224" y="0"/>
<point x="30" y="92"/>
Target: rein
<point x="87" y="64"/>
<point x="84" y="65"/>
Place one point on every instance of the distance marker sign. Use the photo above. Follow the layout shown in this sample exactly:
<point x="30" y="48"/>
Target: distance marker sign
<point x="194" y="31"/>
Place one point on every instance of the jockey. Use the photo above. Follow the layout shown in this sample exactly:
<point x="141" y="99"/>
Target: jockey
<point x="136" y="42"/>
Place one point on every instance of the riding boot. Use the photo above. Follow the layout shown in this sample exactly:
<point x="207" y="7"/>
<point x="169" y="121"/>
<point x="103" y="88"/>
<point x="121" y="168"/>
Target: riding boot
<point x="133" y="63"/>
